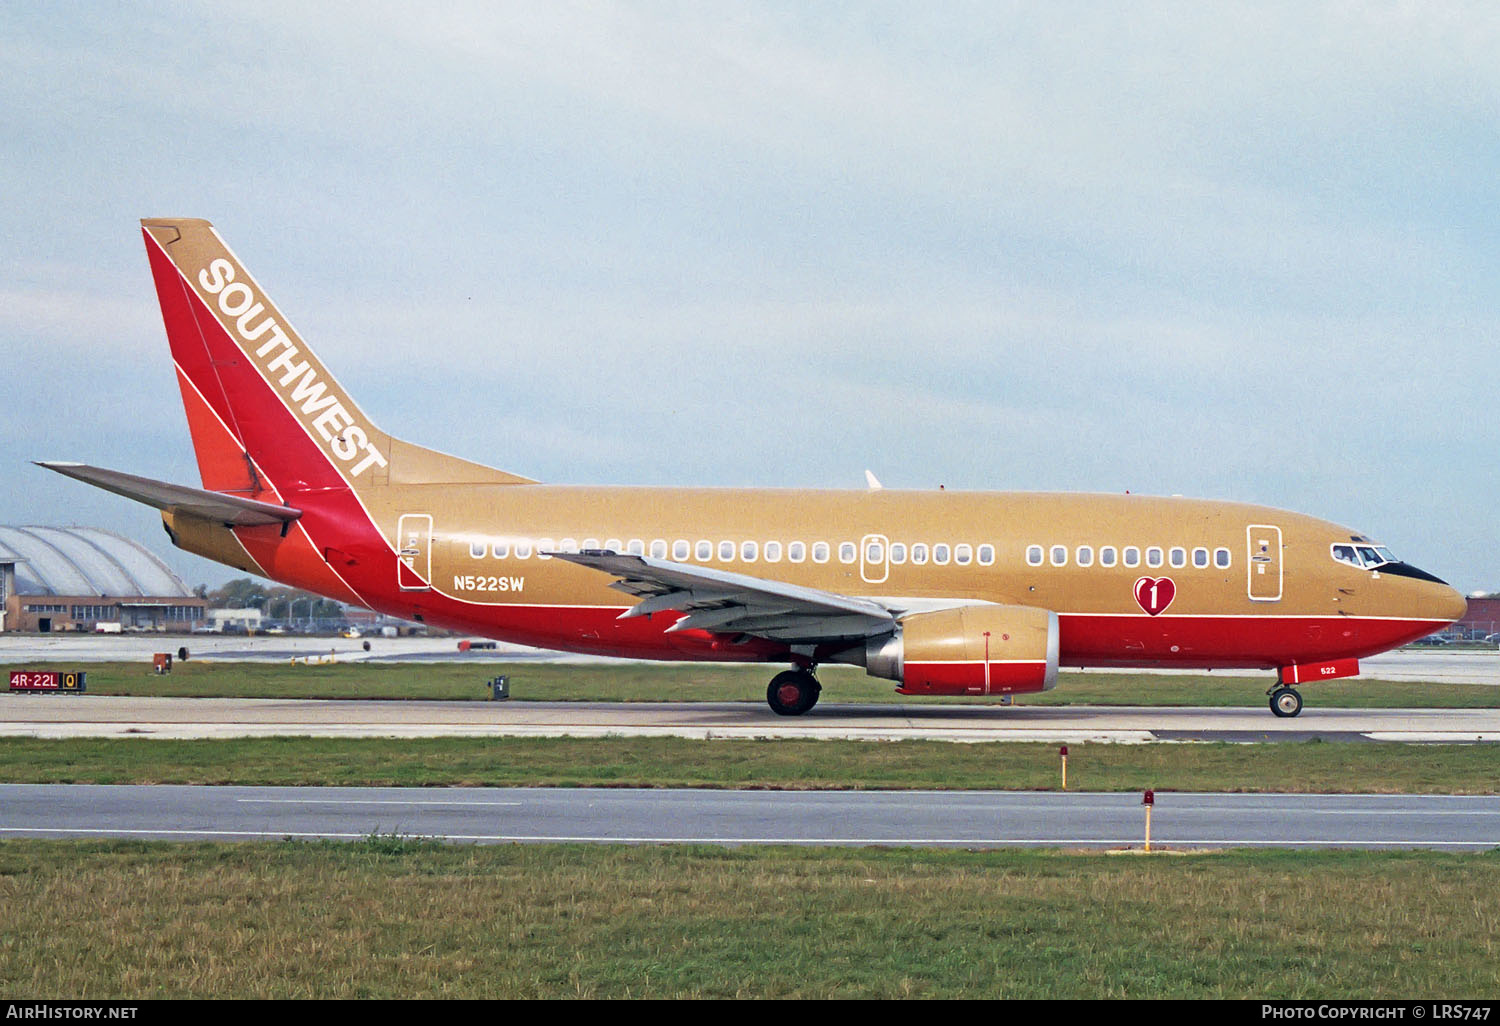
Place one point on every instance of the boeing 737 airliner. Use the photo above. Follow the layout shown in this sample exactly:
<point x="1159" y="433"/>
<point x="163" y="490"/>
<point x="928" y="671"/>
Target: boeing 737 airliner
<point x="946" y="593"/>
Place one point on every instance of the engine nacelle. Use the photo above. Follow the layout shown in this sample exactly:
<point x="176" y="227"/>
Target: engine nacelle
<point x="969" y="650"/>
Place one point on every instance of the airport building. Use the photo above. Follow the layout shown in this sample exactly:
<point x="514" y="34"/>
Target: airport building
<point x="1482" y="618"/>
<point x="86" y="579"/>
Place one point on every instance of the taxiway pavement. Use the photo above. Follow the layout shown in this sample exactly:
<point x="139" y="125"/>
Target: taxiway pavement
<point x="59" y="716"/>
<point x="1467" y="666"/>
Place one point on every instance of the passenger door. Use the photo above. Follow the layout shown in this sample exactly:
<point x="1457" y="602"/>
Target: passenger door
<point x="414" y="552"/>
<point x="1263" y="544"/>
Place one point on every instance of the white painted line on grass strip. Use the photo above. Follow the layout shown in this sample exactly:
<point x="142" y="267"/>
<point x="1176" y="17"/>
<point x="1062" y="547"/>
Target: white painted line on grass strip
<point x="147" y="833"/>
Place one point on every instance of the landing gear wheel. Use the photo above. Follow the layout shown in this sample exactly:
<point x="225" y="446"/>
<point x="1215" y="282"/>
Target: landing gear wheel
<point x="793" y="692"/>
<point x="1286" y="702"/>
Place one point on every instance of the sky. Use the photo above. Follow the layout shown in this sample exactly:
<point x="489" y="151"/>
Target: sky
<point x="1235" y="251"/>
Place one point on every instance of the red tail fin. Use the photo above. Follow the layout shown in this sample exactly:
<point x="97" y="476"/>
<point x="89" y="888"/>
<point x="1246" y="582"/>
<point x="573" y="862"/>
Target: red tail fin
<point x="262" y="408"/>
<point x="264" y="412"/>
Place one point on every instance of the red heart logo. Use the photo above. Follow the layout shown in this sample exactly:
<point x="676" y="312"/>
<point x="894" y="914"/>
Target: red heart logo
<point x="1155" y="594"/>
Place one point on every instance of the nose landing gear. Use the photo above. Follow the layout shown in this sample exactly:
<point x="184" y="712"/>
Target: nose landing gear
<point x="793" y="692"/>
<point x="1285" y="701"/>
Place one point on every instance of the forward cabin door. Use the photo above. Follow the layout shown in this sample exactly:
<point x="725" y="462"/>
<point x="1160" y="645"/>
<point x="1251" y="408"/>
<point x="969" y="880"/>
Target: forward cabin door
<point x="414" y="552"/>
<point x="1264" y="544"/>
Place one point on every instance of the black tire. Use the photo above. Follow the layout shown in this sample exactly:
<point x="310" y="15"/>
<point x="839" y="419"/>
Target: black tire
<point x="792" y="692"/>
<point x="1286" y="702"/>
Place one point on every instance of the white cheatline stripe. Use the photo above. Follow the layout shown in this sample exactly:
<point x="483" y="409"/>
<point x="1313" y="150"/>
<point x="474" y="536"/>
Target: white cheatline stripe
<point x="1255" y="616"/>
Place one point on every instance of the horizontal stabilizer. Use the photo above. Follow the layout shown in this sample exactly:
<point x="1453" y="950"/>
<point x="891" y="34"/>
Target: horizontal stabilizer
<point x="171" y="498"/>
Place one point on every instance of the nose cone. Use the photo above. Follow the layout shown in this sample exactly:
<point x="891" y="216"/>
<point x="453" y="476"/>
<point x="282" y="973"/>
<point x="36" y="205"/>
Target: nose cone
<point x="1448" y="603"/>
<point x="1437" y="599"/>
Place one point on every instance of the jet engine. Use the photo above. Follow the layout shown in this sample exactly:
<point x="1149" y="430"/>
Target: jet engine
<point x="969" y="650"/>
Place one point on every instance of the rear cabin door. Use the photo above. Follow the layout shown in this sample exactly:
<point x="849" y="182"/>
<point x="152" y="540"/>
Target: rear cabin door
<point x="414" y="552"/>
<point x="1264" y="544"/>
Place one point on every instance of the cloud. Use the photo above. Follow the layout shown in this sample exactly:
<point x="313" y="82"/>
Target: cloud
<point x="1244" y="250"/>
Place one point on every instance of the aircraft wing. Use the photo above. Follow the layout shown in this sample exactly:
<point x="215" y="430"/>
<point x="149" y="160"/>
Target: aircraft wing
<point x="727" y="603"/>
<point x="228" y="509"/>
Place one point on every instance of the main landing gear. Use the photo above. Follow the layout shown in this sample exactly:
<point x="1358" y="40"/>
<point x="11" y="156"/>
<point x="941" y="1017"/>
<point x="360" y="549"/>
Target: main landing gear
<point x="1285" y="701"/>
<point x="793" y="692"/>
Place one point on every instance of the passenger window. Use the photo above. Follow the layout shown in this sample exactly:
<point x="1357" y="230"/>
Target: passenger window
<point x="847" y="552"/>
<point x="963" y="555"/>
<point x="476" y="550"/>
<point x="1059" y="555"/>
<point x="940" y="554"/>
<point x="705" y="551"/>
<point x="1200" y="558"/>
<point x="545" y="545"/>
<point x="658" y="548"/>
<point x="898" y="553"/>
<point x="1108" y="556"/>
<point x="1179" y="557"/>
<point x="919" y="554"/>
<point x="874" y="553"/>
<point x="1132" y="556"/>
<point x="748" y="551"/>
<point x="636" y="547"/>
<point x="681" y="549"/>
<point x="1085" y="555"/>
<point x="1153" y="556"/>
<point x="773" y="552"/>
<point x="613" y="545"/>
<point x="1033" y="555"/>
<point x="568" y="545"/>
<point x="820" y="552"/>
<point x="501" y="549"/>
<point x="590" y="543"/>
<point x="726" y="551"/>
<point x="796" y="552"/>
<point x="986" y="555"/>
<point x="1221" y="558"/>
<point x="523" y="548"/>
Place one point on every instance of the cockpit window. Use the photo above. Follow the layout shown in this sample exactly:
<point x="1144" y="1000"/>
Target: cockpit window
<point x="1366" y="557"/>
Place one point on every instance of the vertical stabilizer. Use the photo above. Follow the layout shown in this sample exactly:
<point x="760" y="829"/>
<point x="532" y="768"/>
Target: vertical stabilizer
<point x="265" y="413"/>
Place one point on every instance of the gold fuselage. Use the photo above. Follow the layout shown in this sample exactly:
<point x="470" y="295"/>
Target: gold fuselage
<point x="1344" y="610"/>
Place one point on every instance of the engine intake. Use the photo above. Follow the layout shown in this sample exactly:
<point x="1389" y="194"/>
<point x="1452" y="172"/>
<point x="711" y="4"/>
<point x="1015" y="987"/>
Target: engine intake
<point x="969" y="650"/>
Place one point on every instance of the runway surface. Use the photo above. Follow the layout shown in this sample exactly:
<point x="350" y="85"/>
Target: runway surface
<point x="927" y="818"/>
<point x="58" y="716"/>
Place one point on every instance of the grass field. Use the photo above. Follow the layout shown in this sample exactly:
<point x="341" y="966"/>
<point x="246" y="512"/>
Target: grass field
<point x="1311" y="767"/>
<point x="655" y="682"/>
<point x="391" y="918"/>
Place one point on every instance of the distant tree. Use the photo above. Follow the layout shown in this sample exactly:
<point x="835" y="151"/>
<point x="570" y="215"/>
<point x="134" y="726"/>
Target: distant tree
<point x="243" y="593"/>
